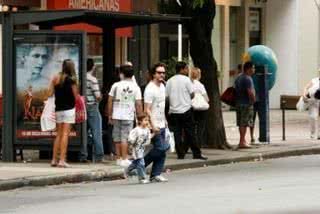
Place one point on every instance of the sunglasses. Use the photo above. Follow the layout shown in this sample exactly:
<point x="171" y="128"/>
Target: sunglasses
<point x="160" y="72"/>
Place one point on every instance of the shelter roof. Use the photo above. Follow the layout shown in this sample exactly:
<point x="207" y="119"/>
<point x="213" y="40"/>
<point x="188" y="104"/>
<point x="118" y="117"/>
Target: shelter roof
<point x="93" y="17"/>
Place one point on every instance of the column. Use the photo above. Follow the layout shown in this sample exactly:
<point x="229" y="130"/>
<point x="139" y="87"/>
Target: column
<point x="8" y="134"/>
<point x="246" y="24"/>
<point x="225" y="46"/>
<point x="108" y="55"/>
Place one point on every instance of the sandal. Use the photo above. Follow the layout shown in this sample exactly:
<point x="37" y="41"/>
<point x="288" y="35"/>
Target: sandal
<point x="63" y="165"/>
<point x="54" y="163"/>
<point x="244" y="146"/>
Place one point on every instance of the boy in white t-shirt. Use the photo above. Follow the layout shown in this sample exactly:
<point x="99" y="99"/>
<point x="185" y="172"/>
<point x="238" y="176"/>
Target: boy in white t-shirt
<point x="124" y="101"/>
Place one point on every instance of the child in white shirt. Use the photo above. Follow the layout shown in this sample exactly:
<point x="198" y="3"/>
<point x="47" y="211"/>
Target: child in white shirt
<point x="139" y="137"/>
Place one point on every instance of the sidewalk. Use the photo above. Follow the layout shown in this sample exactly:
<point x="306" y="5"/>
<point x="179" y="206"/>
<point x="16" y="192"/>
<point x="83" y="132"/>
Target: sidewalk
<point x="35" y="173"/>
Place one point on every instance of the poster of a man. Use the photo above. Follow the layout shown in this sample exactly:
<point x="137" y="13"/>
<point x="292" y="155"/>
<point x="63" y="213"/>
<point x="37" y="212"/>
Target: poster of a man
<point x="33" y="59"/>
<point x="36" y="63"/>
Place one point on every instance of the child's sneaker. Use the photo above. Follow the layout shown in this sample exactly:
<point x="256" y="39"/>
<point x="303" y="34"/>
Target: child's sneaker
<point x="129" y="174"/>
<point x="144" y="181"/>
<point x="125" y="163"/>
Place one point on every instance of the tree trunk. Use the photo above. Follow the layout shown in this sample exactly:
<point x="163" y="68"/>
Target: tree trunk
<point x="200" y="29"/>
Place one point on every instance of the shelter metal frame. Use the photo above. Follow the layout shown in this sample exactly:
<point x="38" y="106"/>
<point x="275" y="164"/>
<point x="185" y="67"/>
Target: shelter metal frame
<point x="46" y="19"/>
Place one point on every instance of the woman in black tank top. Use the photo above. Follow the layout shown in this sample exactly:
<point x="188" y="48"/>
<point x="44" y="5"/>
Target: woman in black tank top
<point x="64" y="87"/>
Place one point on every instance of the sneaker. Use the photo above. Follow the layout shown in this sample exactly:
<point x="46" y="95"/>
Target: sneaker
<point x="118" y="162"/>
<point x="125" y="163"/>
<point x="103" y="160"/>
<point x="144" y="181"/>
<point x="84" y="161"/>
<point x="200" y="157"/>
<point x="159" y="178"/>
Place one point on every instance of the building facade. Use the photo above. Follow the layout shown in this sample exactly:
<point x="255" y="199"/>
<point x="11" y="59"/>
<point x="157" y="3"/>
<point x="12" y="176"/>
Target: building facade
<point x="289" y="27"/>
<point x="16" y="5"/>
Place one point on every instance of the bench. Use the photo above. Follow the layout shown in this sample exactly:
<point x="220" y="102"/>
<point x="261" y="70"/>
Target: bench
<point x="287" y="102"/>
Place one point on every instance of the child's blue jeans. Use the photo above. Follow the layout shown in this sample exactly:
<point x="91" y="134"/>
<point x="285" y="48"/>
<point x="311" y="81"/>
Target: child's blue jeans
<point x="139" y="165"/>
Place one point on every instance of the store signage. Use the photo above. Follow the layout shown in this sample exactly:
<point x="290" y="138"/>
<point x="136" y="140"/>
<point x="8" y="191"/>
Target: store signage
<point x="101" y="5"/>
<point x="109" y="5"/>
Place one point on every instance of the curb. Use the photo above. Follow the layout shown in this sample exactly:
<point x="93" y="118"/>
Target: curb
<point x="97" y="175"/>
<point x="247" y="158"/>
<point x="103" y="175"/>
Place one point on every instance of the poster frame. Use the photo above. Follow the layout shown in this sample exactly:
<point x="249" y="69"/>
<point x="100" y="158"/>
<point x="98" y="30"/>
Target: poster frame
<point x="44" y="143"/>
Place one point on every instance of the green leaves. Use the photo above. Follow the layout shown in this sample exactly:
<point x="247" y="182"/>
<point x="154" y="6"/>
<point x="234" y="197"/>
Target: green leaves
<point x="173" y="7"/>
<point x="198" y="3"/>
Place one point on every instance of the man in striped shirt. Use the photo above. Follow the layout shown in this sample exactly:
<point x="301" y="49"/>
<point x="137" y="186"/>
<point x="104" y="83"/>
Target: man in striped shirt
<point x="94" y="120"/>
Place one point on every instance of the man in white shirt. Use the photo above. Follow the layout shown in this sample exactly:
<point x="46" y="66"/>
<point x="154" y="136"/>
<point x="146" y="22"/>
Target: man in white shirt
<point x="124" y="101"/>
<point x="179" y="91"/>
<point x="154" y="106"/>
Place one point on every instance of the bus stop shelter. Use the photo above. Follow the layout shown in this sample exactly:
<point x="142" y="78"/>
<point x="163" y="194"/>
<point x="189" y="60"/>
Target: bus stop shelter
<point x="107" y="21"/>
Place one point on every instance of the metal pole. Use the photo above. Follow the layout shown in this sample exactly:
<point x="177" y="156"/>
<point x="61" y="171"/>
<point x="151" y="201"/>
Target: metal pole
<point x="8" y="134"/>
<point x="180" y="42"/>
<point x="283" y="108"/>
<point x="264" y="120"/>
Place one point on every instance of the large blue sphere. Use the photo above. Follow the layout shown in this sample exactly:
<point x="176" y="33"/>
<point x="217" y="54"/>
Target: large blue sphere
<point x="261" y="55"/>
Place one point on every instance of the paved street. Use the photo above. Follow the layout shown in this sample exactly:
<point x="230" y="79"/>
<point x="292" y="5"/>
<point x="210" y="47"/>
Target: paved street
<point x="289" y="185"/>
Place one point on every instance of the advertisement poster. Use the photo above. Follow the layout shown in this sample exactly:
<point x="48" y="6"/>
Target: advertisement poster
<point x="38" y="57"/>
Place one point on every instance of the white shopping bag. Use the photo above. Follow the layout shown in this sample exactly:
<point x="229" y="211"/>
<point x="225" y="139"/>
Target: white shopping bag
<point x="48" y="116"/>
<point x="170" y="140"/>
<point x="301" y="105"/>
<point x="199" y="103"/>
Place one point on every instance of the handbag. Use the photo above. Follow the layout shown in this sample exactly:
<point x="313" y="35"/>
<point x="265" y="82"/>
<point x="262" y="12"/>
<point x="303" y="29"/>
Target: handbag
<point x="170" y="140"/>
<point x="48" y="116"/>
<point x="199" y="103"/>
<point x="229" y="96"/>
<point x="81" y="112"/>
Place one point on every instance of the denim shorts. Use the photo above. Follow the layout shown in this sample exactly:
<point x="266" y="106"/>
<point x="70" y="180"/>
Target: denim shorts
<point x="67" y="116"/>
<point x="121" y="130"/>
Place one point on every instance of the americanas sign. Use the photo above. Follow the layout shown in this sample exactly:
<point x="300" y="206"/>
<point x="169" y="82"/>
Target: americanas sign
<point x="99" y="5"/>
<point x="109" y="5"/>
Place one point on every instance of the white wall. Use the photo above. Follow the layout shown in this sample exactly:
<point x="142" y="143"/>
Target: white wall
<point x="282" y="37"/>
<point x="308" y="42"/>
<point x="216" y="38"/>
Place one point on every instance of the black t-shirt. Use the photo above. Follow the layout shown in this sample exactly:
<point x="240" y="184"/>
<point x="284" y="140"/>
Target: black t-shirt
<point x="64" y="98"/>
